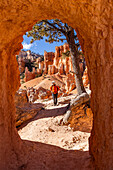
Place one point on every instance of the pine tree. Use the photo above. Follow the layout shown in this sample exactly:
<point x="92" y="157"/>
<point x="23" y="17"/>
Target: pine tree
<point x="55" y="31"/>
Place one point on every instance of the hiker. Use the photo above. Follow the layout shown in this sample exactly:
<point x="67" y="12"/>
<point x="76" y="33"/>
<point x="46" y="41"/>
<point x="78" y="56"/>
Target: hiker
<point x="54" y="89"/>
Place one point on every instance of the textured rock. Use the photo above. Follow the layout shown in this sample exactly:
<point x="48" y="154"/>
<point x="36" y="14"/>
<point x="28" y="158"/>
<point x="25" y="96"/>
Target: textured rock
<point x="29" y="75"/>
<point x="48" y="60"/>
<point x="21" y="97"/>
<point x="21" y="64"/>
<point x="81" y="118"/>
<point x="32" y="94"/>
<point x="85" y="78"/>
<point x="56" y="62"/>
<point x="93" y="21"/>
<point x="26" y="112"/>
<point x="51" y="69"/>
<point x="24" y="109"/>
<point x="27" y="57"/>
<point x="79" y="115"/>
<point x="70" y="82"/>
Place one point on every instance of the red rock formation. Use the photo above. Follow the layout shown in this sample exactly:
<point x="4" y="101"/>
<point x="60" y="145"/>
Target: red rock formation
<point x="61" y="68"/>
<point x="40" y="66"/>
<point x="93" y="21"/>
<point x="85" y="77"/>
<point x="56" y="63"/>
<point x="51" y="69"/>
<point x="21" y="64"/>
<point x="29" y="75"/>
<point x="66" y="47"/>
<point x="67" y="64"/>
<point x="48" y="60"/>
<point x="11" y="147"/>
<point x="21" y="97"/>
<point x="39" y="71"/>
<point x="25" y="57"/>
<point x="70" y="82"/>
<point x="62" y="64"/>
<point x="61" y="50"/>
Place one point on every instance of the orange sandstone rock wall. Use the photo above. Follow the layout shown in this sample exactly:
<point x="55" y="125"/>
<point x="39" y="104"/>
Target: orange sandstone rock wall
<point x="29" y="75"/>
<point x="93" y="21"/>
<point x="54" y="63"/>
<point x="10" y="143"/>
<point x="48" y="60"/>
<point x="57" y="63"/>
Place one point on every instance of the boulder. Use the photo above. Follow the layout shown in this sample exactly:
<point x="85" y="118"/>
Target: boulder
<point x="79" y="114"/>
<point x="26" y="112"/>
<point x="24" y="109"/>
<point x="32" y="94"/>
<point x="43" y="93"/>
<point x="81" y="118"/>
<point x="21" y="97"/>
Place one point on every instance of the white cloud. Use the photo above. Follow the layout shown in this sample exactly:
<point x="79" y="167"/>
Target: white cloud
<point x="27" y="46"/>
<point x="35" y="44"/>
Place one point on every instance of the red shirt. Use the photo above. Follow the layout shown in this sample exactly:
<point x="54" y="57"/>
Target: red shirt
<point x="54" y="89"/>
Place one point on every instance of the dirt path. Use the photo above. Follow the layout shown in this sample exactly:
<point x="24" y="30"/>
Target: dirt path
<point x="55" y="147"/>
<point x="45" y="128"/>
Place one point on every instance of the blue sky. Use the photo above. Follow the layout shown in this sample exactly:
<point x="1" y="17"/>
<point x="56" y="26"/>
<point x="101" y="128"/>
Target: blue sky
<point x="39" y="46"/>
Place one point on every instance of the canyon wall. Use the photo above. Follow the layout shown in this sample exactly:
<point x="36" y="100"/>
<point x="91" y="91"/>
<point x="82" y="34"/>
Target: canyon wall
<point x="58" y="62"/>
<point x="93" y="21"/>
<point x="12" y="149"/>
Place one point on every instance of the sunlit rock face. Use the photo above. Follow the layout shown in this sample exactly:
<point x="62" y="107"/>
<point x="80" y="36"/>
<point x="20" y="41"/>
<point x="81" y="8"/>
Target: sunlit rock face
<point x="58" y="61"/>
<point x="61" y="63"/>
<point x="29" y="75"/>
<point x="85" y="78"/>
<point x="93" y="21"/>
<point x="48" y="60"/>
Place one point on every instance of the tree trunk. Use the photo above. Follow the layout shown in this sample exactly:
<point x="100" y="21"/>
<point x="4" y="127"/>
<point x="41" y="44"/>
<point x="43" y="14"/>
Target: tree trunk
<point x="75" y="62"/>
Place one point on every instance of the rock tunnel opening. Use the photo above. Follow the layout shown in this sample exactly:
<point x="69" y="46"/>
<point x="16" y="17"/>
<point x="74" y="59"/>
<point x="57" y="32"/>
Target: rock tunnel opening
<point x="93" y="22"/>
<point x="37" y="90"/>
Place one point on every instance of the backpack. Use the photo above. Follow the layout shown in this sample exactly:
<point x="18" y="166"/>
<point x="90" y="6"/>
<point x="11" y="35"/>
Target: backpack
<point x="54" y="89"/>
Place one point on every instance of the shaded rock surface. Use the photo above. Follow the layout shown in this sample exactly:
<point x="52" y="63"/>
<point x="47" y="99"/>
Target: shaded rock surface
<point x="26" y="112"/>
<point x="48" y="157"/>
<point x="81" y="116"/>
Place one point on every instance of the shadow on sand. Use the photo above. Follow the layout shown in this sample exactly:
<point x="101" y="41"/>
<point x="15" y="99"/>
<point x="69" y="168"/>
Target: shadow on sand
<point x="45" y="113"/>
<point x="48" y="157"/>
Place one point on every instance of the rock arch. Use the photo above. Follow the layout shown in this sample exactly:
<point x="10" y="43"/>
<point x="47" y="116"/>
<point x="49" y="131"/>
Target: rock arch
<point x="93" y="21"/>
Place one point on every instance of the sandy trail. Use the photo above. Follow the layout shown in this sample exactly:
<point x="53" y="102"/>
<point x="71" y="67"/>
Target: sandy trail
<point x="45" y="128"/>
<point x="55" y="147"/>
